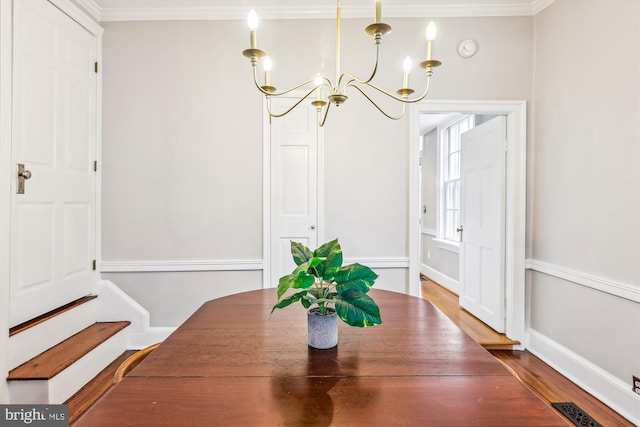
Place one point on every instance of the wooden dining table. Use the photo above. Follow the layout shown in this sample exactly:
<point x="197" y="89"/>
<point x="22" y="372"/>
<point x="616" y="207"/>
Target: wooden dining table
<point x="233" y="364"/>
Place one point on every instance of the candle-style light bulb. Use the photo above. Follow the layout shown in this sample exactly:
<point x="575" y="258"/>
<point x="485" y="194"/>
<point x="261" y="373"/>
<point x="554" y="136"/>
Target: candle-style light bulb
<point x="377" y="13"/>
<point x="253" y="20"/>
<point x="253" y="27"/>
<point x="406" y="66"/>
<point x="318" y="83"/>
<point x="267" y="64"/>
<point x="431" y="36"/>
<point x="431" y="31"/>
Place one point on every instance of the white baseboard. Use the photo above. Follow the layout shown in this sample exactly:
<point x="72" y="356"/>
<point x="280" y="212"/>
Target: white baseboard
<point x="115" y="305"/>
<point x="612" y="391"/>
<point x="151" y="335"/>
<point x="442" y="279"/>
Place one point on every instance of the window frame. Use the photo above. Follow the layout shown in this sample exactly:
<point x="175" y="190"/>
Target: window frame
<point x="444" y="236"/>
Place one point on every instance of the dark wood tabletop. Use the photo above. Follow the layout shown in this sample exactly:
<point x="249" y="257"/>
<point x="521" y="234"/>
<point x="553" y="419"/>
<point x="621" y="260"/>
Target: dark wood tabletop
<point x="231" y="364"/>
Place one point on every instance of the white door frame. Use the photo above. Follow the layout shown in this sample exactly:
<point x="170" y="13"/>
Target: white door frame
<point x="266" y="190"/>
<point x="515" y="201"/>
<point x="6" y="68"/>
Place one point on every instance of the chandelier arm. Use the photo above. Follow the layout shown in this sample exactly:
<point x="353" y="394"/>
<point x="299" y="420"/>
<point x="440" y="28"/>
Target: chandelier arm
<point x="397" y="98"/>
<point x="281" y="92"/>
<point x="359" y="80"/>
<point x="302" y="98"/>
<point x="326" y="113"/>
<point x="404" y="106"/>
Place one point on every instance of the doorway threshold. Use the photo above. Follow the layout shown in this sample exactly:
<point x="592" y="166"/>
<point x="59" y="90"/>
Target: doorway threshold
<point x="447" y="302"/>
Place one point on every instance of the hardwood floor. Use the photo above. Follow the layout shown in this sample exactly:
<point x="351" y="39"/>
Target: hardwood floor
<point x="539" y="377"/>
<point x="447" y="302"/>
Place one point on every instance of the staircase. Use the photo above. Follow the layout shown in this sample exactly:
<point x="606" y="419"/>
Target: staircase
<point x="56" y="354"/>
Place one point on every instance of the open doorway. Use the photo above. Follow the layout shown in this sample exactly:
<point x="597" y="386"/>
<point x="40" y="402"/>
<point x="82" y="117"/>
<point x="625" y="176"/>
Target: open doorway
<point x="512" y="223"/>
<point x="462" y="180"/>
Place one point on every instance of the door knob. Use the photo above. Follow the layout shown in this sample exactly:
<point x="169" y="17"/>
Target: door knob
<point x="23" y="175"/>
<point x="460" y="230"/>
<point x="313" y="227"/>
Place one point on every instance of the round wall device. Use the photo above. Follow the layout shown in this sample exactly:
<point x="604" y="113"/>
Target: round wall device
<point x="467" y="48"/>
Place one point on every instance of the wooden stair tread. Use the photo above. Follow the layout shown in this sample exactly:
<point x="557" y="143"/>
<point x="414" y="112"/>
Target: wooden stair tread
<point x="54" y="360"/>
<point x="84" y="398"/>
<point x="53" y="313"/>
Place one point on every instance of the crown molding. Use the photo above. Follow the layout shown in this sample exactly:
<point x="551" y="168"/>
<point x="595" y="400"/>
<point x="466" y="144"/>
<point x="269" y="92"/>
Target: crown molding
<point x="539" y="5"/>
<point x="314" y="11"/>
<point x="91" y="7"/>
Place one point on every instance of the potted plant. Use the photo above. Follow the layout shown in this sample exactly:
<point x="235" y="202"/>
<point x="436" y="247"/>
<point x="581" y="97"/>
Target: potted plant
<point x="324" y="281"/>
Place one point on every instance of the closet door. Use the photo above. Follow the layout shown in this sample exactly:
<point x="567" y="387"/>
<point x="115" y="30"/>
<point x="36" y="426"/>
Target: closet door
<point x="54" y="137"/>
<point x="294" y="184"/>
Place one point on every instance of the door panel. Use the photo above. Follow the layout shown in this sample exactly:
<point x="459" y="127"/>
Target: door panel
<point x="482" y="213"/>
<point x="54" y="104"/>
<point x="294" y="184"/>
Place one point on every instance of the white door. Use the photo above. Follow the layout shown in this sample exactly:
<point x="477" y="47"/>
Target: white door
<point x="54" y="119"/>
<point x="294" y="184"/>
<point x="482" y="217"/>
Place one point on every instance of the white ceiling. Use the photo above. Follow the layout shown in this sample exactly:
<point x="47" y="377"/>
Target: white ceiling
<point x="127" y="10"/>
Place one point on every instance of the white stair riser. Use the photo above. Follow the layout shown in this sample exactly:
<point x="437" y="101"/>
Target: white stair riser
<point x="35" y="340"/>
<point x="59" y="388"/>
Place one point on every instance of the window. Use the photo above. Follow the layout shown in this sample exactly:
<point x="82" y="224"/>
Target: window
<point x="449" y="154"/>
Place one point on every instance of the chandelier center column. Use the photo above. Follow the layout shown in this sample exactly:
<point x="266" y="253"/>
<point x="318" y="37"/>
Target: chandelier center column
<point x="337" y="47"/>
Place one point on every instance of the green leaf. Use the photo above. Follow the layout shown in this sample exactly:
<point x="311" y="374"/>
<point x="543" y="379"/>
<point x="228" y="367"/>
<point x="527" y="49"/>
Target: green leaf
<point x="288" y="301"/>
<point x="302" y="269"/>
<point x="333" y="254"/>
<point x="315" y="261"/>
<point x="300" y="253"/>
<point x="355" y="276"/>
<point x="358" y="309"/>
<point x="285" y="283"/>
<point x="303" y="282"/>
<point x="307" y="301"/>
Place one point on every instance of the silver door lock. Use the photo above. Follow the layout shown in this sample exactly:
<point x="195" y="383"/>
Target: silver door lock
<point x="23" y="175"/>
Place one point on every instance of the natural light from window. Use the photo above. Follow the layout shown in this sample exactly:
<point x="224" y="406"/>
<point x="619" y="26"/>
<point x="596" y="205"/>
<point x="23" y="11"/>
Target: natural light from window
<point x="449" y="153"/>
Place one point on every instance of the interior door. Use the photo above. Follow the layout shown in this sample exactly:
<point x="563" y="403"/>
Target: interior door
<point x="54" y="128"/>
<point x="294" y="184"/>
<point x="482" y="229"/>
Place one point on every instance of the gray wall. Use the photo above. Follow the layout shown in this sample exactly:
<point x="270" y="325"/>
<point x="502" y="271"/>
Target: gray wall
<point x="182" y="142"/>
<point x="182" y="173"/>
<point x="584" y="286"/>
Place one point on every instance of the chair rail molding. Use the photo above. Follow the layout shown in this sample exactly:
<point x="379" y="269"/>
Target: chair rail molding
<point x="380" y="263"/>
<point x="608" y="286"/>
<point x="227" y="265"/>
<point x="179" y="265"/>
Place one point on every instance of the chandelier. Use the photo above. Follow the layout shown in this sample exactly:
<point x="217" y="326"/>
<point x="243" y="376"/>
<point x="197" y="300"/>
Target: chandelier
<point x="337" y="89"/>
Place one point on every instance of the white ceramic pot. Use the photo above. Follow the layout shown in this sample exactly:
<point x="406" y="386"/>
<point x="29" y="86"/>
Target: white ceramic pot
<point x="322" y="330"/>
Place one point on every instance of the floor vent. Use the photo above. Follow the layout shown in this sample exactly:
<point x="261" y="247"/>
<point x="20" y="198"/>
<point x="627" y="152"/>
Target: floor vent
<point x="576" y="415"/>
